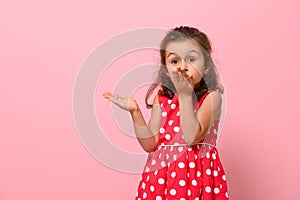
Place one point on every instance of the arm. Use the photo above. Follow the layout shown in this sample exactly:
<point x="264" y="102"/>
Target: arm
<point x="194" y="126"/>
<point x="147" y="135"/>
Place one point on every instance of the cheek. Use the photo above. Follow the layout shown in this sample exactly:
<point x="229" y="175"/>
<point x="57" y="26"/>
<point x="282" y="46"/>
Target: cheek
<point x="170" y="67"/>
<point x="196" y="75"/>
<point x="197" y="78"/>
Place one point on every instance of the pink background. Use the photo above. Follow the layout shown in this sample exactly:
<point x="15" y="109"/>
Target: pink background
<point x="44" y="43"/>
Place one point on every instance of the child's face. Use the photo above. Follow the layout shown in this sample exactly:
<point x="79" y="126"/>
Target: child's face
<point x="187" y="55"/>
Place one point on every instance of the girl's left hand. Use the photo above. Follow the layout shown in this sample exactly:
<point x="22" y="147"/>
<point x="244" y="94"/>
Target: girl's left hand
<point x="126" y="103"/>
<point x="183" y="83"/>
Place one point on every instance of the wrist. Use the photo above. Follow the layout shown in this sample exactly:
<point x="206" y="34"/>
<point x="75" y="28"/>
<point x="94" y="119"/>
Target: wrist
<point x="135" y="109"/>
<point x="183" y="96"/>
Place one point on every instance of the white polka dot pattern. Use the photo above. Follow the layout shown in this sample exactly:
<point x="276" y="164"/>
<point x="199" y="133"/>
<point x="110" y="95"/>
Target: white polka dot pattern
<point x="181" y="172"/>
<point x="182" y="182"/>
<point x="173" y="192"/>
<point x="161" y="181"/>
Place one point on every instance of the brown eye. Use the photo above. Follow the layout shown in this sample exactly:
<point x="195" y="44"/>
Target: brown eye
<point x="174" y="61"/>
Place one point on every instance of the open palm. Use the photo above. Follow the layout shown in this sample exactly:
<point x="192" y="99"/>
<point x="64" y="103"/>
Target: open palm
<point x="126" y="103"/>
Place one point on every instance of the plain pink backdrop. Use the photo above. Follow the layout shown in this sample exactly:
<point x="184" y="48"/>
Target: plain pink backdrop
<point x="44" y="43"/>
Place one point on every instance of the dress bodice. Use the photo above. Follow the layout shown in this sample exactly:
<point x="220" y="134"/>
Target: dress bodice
<point x="170" y="130"/>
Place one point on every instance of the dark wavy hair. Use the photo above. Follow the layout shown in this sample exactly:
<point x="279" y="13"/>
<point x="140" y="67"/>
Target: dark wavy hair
<point x="209" y="81"/>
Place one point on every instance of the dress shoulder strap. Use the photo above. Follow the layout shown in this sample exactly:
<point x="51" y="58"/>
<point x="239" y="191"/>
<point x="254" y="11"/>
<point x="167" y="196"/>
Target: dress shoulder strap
<point x="161" y="98"/>
<point x="202" y="99"/>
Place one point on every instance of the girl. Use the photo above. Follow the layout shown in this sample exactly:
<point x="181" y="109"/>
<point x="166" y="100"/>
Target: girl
<point x="183" y="162"/>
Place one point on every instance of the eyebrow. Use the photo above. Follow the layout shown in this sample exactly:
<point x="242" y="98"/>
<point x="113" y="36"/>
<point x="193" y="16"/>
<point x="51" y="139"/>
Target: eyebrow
<point x="191" y="51"/>
<point x="171" y="54"/>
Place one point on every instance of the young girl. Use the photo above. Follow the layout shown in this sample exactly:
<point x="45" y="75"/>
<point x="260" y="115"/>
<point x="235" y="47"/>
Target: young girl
<point x="183" y="162"/>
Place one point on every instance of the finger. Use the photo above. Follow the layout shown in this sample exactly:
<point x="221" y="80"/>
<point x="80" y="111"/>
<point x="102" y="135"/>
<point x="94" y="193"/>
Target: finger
<point x="107" y="95"/>
<point x="184" y="74"/>
<point x="175" y="78"/>
<point x="173" y="74"/>
<point x="115" y="98"/>
<point x="178" y="69"/>
<point x="121" y="97"/>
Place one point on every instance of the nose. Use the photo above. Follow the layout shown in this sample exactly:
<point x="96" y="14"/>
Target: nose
<point x="184" y="65"/>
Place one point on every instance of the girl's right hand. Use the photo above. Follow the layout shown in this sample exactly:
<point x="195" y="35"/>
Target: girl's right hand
<point x="183" y="83"/>
<point x="126" y="103"/>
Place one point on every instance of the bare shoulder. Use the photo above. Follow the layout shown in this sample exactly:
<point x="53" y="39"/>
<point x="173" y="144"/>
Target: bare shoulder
<point x="216" y="97"/>
<point x="214" y="101"/>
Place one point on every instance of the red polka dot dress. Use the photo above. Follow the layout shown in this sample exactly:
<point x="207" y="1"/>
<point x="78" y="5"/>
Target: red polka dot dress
<point x="177" y="171"/>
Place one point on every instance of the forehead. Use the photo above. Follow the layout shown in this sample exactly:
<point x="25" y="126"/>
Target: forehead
<point x="183" y="47"/>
